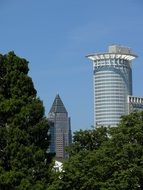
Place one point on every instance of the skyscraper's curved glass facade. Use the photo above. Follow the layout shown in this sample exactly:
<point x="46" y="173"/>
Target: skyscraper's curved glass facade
<point x="112" y="84"/>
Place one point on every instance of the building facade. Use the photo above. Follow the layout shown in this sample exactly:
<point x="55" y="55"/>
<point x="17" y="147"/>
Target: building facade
<point x="135" y="103"/>
<point x="60" y="128"/>
<point x="112" y="80"/>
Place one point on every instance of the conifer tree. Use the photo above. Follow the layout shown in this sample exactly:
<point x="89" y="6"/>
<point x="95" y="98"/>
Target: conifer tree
<point x="24" y="161"/>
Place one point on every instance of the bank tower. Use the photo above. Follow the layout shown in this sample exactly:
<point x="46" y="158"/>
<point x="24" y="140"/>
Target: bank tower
<point x="112" y="80"/>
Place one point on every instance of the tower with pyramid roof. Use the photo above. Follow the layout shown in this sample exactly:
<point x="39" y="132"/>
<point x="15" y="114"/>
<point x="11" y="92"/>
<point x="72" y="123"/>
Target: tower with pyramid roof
<point x="60" y="128"/>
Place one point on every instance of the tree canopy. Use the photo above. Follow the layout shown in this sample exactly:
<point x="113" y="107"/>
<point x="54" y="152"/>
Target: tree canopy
<point x="24" y="161"/>
<point x="107" y="159"/>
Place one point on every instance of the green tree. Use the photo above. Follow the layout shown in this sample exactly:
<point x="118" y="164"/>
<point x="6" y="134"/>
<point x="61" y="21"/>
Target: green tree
<point x="24" y="161"/>
<point x="87" y="140"/>
<point x="116" y="164"/>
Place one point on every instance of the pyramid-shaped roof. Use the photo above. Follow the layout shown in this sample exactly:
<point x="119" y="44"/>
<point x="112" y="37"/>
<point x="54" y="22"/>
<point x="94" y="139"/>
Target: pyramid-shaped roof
<point x="58" y="106"/>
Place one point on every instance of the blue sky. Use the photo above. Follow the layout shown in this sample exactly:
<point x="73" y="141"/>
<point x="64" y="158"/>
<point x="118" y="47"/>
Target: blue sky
<point x="56" y="35"/>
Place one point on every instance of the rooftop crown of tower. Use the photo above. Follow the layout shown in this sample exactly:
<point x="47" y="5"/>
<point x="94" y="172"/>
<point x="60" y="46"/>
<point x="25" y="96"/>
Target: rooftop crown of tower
<point x="58" y="106"/>
<point x="114" y="52"/>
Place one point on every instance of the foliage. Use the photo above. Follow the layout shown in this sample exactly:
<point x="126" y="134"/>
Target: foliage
<point x="24" y="162"/>
<point x="116" y="164"/>
<point x="87" y="140"/>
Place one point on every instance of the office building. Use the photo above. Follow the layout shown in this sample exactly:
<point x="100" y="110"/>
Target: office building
<point x="60" y="128"/>
<point x="112" y="80"/>
<point x="135" y="104"/>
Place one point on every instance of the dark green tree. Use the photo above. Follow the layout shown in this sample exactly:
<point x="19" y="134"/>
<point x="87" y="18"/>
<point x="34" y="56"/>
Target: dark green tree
<point x="24" y="161"/>
<point x="87" y="140"/>
<point x="116" y="164"/>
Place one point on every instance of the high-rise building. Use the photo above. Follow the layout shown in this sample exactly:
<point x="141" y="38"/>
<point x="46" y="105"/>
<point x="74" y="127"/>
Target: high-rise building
<point x="112" y="79"/>
<point x="135" y="104"/>
<point x="60" y="128"/>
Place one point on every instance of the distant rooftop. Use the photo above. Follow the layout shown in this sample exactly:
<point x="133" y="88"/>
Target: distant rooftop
<point x="58" y="106"/>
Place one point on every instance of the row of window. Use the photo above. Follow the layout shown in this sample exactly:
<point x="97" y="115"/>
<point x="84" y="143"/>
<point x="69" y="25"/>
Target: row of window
<point x="109" y="89"/>
<point x="111" y="109"/>
<point x="109" y="114"/>
<point x="115" y="121"/>
<point x="110" y="96"/>
<point x="110" y="84"/>
<point x="106" y="75"/>
<point x="109" y="80"/>
<point x="113" y="60"/>
<point x="110" y="105"/>
<point x="107" y="72"/>
<point x="119" y="67"/>
<point x="112" y="118"/>
<point x="103" y="93"/>
<point x="113" y="85"/>
<point x="105" y="84"/>
<point x="112" y="122"/>
<point x="105" y="112"/>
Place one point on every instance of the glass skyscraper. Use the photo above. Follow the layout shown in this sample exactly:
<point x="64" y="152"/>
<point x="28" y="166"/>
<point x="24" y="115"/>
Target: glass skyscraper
<point x="60" y="129"/>
<point x="112" y="80"/>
